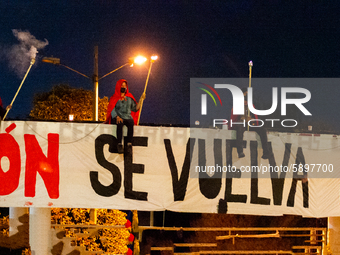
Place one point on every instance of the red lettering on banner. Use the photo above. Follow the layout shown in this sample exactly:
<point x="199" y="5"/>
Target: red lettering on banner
<point x="47" y="167"/>
<point x="9" y="148"/>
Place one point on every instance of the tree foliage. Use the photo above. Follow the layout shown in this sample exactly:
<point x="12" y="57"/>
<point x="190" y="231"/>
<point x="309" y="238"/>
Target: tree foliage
<point x="64" y="100"/>
<point x="109" y="240"/>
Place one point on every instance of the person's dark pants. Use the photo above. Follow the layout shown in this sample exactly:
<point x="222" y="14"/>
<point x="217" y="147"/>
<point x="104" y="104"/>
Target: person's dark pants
<point x="261" y="131"/>
<point x="129" y="123"/>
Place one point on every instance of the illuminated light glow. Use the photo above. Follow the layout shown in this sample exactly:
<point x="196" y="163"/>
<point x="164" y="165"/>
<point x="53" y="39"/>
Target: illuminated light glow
<point x="46" y="167"/>
<point x="139" y="60"/>
<point x="154" y="58"/>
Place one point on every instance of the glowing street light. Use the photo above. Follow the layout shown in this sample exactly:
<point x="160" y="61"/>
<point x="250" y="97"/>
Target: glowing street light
<point x="56" y="61"/>
<point x="139" y="60"/>
<point x="152" y="60"/>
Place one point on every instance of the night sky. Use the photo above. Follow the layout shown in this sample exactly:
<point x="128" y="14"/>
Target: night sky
<point x="191" y="38"/>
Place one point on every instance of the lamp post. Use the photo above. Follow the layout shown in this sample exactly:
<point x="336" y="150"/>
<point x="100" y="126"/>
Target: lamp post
<point x="95" y="85"/>
<point x="152" y="60"/>
<point x="250" y="69"/>
<point x="22" y="82"/>
<point x="95" y="78"/>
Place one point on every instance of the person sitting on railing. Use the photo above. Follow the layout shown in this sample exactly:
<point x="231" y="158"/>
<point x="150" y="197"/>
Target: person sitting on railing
<point x="123" y="109"/>
<point x="261" y="131"/>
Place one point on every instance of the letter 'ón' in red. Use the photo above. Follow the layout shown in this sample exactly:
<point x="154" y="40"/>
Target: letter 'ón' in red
<point x="36" y="162"/>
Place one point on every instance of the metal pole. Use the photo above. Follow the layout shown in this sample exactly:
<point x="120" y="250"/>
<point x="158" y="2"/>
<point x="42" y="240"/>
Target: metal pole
<point x="74" y="70"/>
<point x="93" y="212"/>
<point x="113" y="71"/>
<point x="95" y="85"/>
<point x="146" y="84"/>
<point x="22" y="82"/>
<point x="250" y="69"/>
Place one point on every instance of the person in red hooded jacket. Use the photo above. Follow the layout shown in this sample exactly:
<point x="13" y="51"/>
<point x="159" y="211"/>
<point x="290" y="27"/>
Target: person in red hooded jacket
<point x="123" y="109"/>
<point x="3" y="110"/>
<point x="261" y="131"/>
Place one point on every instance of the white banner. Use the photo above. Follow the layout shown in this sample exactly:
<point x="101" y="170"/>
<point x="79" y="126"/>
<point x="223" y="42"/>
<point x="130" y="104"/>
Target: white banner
<point x="46" y="164"/>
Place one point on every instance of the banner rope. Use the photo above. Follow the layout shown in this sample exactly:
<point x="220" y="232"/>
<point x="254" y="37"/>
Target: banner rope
<point x="86" y="135"/>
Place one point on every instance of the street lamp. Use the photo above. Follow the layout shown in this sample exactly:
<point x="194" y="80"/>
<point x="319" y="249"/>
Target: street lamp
<point x="56" y="61"/>
<point x="152" y="60"/>
<point x="139" y="60"/>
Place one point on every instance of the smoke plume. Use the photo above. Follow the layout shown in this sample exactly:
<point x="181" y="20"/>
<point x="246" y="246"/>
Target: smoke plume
<point x="19" y="55"/>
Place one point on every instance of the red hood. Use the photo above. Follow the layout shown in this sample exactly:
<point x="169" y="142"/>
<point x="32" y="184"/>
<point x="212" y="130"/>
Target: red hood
<point x="114" y="99"/>
<point x="118" y="87"/>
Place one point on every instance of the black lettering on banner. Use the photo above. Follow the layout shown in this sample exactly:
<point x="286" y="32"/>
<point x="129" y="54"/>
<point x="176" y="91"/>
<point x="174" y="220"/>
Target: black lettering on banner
<point x="131" y="168"/>
<point x="114" y="187"/>
<point x="238" y="198"/>
<point x="278" y="181"/>
<point x="300" y="159"/>
<point x="254" y="188"/>
<point x="210" y="186"/>
<point x="179" y="185"/>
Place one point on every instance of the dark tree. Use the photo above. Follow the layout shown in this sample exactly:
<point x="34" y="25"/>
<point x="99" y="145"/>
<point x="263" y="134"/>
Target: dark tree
<point x="64" y="100"/>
